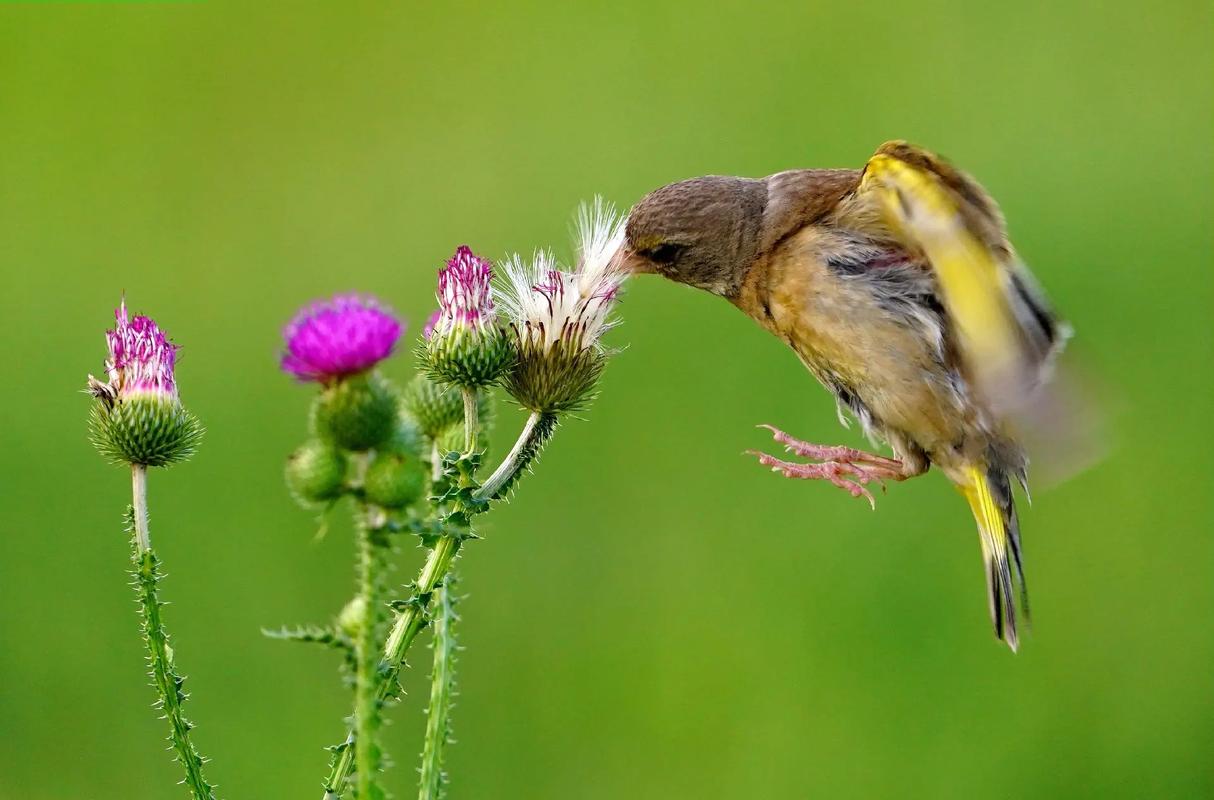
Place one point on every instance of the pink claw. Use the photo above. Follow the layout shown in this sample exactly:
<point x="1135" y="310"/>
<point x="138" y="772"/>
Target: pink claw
<point x="846" y="476"/>
<point x="849" y="469"/>
<point x="847" y="455"/>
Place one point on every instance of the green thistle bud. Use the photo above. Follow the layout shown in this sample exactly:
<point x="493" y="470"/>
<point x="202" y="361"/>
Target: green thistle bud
<point x="407" y="438"/>
<point x="350" y="620"/>
<point x="357" y="412"/>
<point x="149" y="430"/>
<point x="432" y="407"/>
<point x="316" y="473"/>
<point x="468" y="359"/>
<point x="138" y="417"/>
<point x="394" y="479"/>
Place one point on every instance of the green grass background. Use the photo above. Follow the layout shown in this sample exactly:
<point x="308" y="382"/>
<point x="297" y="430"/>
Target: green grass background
<point x="654" y="616"/>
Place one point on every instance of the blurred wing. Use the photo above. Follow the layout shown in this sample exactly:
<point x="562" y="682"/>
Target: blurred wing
<point x="1004" y="330"/>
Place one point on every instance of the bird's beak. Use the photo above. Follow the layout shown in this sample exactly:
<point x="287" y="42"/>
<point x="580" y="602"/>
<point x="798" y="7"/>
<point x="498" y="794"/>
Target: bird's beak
<point x="627" y="261"/>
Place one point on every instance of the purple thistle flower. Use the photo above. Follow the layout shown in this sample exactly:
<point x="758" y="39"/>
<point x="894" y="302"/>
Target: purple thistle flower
<point x="141" y="359"/>
<point x="465" y="295"/>
<point x="346" y="335"/>
<point x="138" y="418"/>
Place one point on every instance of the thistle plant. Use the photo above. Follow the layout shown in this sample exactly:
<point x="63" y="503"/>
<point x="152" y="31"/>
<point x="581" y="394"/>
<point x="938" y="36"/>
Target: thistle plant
<point x="406" y="461"/>
<point x="361" y="447"/>
<point x="543" y="345"/>
<point x="137" y="420"/>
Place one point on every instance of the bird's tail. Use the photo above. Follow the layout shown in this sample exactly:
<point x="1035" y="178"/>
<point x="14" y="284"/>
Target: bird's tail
<point x="989" y="492"/>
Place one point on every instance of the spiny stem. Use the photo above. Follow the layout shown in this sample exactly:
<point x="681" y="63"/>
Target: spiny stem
<point x="367" y="754"/>
<point x="412" y="614"/>
<point x="442" y="681"/>
<point x="339" y="770"/>
<point x="534" y="435"/>
<point x="432" y="777"/>
<point x="169" y="685"/>
<point x="360" y="753"/>
<point x="408" y="622"/>
<point x="413" y="617"/>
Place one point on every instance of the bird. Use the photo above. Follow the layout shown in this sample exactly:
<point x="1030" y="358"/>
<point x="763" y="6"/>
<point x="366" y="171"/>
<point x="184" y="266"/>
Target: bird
<point x="897" y="287"/>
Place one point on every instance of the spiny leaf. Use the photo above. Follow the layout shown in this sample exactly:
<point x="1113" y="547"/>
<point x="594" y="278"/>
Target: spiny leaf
<point x="311" y="634"/>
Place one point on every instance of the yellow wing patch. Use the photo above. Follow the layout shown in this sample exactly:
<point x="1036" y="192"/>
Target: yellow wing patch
<point x="922" y="212"/>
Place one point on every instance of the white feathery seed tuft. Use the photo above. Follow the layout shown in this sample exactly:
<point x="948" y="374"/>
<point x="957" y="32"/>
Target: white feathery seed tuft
<point x="548" y="304"/>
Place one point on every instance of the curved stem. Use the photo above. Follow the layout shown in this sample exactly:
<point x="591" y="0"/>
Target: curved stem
<point x="535" y="433"/>
<point x="442" y="680"/>
<point x="169" y="685"/>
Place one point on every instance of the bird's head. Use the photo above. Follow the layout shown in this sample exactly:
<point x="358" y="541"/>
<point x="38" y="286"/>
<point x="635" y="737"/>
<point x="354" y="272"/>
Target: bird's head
<point x="703" y="232"/>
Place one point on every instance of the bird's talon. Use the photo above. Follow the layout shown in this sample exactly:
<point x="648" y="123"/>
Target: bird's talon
<point x="846" y="468"/>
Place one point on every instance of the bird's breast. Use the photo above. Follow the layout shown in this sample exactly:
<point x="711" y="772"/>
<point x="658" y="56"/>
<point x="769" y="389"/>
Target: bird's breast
<point x="854" y="340"/>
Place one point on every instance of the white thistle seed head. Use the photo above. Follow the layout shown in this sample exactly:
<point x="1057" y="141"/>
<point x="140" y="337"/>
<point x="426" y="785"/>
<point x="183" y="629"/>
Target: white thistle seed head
<point x="598" y="234"/>
<point x="559" y="316"/>
<point x="547" y="304"/>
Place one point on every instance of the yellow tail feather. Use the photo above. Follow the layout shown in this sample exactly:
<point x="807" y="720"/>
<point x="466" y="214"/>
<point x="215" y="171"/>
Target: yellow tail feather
<point x="991" y="503"/>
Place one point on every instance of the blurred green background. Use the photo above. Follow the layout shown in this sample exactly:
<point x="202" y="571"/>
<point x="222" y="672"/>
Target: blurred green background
<point x="654" y="616"/>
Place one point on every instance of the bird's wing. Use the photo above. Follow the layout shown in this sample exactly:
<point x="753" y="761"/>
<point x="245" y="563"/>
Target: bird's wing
<point x="1004" y="330"/>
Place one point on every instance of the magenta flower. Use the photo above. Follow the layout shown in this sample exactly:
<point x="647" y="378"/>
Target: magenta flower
<point x="138" y="417"/>
<point x="464" y="345"/>
<point x="343" y="336"/>
<point x="465" y="296"/>
<point x="141" y="359"/>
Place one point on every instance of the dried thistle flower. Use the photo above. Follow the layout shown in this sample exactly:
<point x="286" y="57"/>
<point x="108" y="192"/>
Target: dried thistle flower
<point x="559" y="317"/>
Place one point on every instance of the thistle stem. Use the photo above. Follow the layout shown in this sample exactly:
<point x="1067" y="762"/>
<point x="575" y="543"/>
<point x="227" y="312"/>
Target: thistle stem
<point x="160" y="655"/>
<point x="535" y="433"/>
<point x="412" y="616"/>
<point x="408" y="622"/>
<point x="411" y="619"/>
<point x="442" y="680"/>
<point x="471" y="419"/>
<point x="139" y="503"/>
<point x="343" y="763"/>
<point x="367" y="718"/>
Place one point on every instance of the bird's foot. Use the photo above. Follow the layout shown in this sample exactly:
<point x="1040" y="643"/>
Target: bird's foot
<point x="849" y="469"/>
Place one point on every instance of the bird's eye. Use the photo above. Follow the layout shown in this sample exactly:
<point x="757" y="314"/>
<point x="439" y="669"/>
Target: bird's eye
<point x="665" y="253"/>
